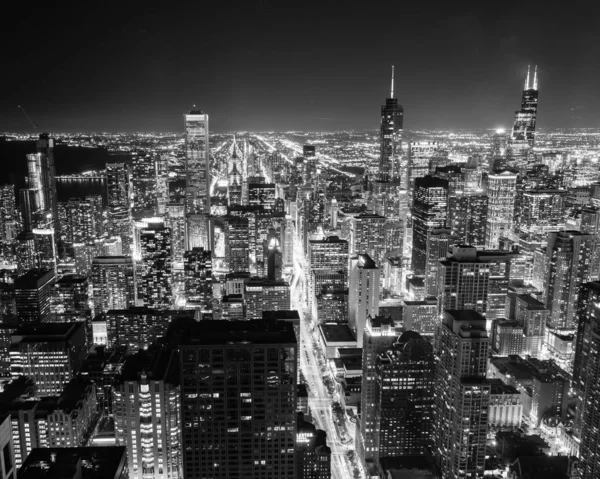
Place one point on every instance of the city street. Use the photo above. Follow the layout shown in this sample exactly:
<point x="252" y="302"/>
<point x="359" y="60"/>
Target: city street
<point x="319" y="401"/>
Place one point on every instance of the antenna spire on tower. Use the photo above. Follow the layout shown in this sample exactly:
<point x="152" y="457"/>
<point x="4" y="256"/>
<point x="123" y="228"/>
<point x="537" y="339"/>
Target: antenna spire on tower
<point x="535" y="83"/>
<point x="527" y="80"/>
<point x="392" y="96"/>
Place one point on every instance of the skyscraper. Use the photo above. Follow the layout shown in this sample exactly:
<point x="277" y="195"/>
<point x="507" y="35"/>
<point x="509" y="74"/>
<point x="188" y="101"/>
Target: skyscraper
<point x="363" y="293"/>
<point x="49" y="353"/>
<point x="462" y="395"/>
<point x="197" y="268"/>
<point x="197" y="163"/>
<point x="568" y="259"/>
<point x="119" y="203"/>
<point x="42" y="179"/>
<point x="33" y="294"/>
<point x="523" y="132"/>
<point x="244" y="428"/>
<point x="501" y="192"/>
<point x="404" y="397"/>
<point x="367" y="232"/>
<point x="147" y="415"/>
<point x="586" y="379"/>
<point x="474" y="280"/>
<point x="392" y="122"/>
<point x="155" y="285"/>
<point x="112" y="283"/>
<point x="380" y="333"/>
<point x="430" y="209"/>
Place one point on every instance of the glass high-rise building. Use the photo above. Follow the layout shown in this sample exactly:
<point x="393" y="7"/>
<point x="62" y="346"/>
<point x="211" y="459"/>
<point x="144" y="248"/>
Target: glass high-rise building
<point x="429" y="211"/>
<point x="197" y="163"/>
<point x="404" y="397"/>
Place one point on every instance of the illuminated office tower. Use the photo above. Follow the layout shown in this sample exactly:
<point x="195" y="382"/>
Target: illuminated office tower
<point x="420" y="154"/>
<point x="329" y="254"/>
<point x="474" y="280"/>
<point x="540" y="212"/>
<point x="590" y="224"/>
<point x="392" y="122"/>
<point x="523" y="133"/>
<point x="501" y="192"/>
<point x="323" y="283"/>
<point x="143" y="182"/>
<point x="363" y="293"/>
<point x="136" y="328"/>
<point x="262" y="195"/>
<point x="367" y="232"/>
<point x="70" y="298"/>
<point x="462" y="395"/>
<point x="198" y="231"/>
<point x="439" y="241"/>
<point x="79" y="225"/>
<point x="119" y="203"/>
<point x="532" y="315"/>
<point x="586" y="358"/>
<point x="45" y="248"/>
<point x="147" y="415"/>
<point x="9" y="224"/>
<point x="288" y="242"/>
<point x="586" y="378"/>
<point x="42" y="178"/>
<point x="429" y="211"/>
<point x="49" y="353"/>
<point x="237" y="243"/>
<point x="265" y="295"/>
<point x="223" y="424"/>
<point x="175" y="220"/>
<point x="313" y="456"/>
<point x="568" y="258"/>
<point x="197" y="269"/>
<point x="380" y="333"/>
<point x="197" y="163"/>
<point x="161" y="171"/>
<point x="112" y="283"/>
<point x="155" y="284"/>
<point x="25" y="252"/>
<point x="27" y="207"/>
<point x="33" y="295"/>
<point x="404" y="397"/>
<point x="467" y="217"/>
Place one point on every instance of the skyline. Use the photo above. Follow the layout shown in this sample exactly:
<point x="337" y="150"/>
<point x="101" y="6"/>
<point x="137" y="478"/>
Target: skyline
<point x="329" y="68"/>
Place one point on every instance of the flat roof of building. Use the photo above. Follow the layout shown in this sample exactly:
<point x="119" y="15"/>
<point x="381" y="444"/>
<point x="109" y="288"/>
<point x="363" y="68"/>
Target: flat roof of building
<point x="214" y="332"/>
<point x="337" y="333"/>
<point x="62" y="462"/>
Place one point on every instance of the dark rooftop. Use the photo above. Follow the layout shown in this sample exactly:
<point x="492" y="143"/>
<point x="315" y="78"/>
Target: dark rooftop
<point x="211" y="332"/>
<point x="46" y="331"/>
<point x="337" y="333"/>
<point x="74" y="462"/>
<point x="33" y="279"/>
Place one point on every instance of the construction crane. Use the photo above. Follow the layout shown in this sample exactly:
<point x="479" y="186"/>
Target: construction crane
<point x="35" y="126"/>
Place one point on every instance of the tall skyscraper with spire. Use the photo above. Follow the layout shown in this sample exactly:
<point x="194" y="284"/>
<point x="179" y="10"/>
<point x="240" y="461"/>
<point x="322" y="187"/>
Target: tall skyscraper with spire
<point x="392" y="121"/>
<point x="523" y="133"/>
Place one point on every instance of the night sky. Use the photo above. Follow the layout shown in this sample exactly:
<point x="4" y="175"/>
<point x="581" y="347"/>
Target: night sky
<point x="281" y="65"/>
